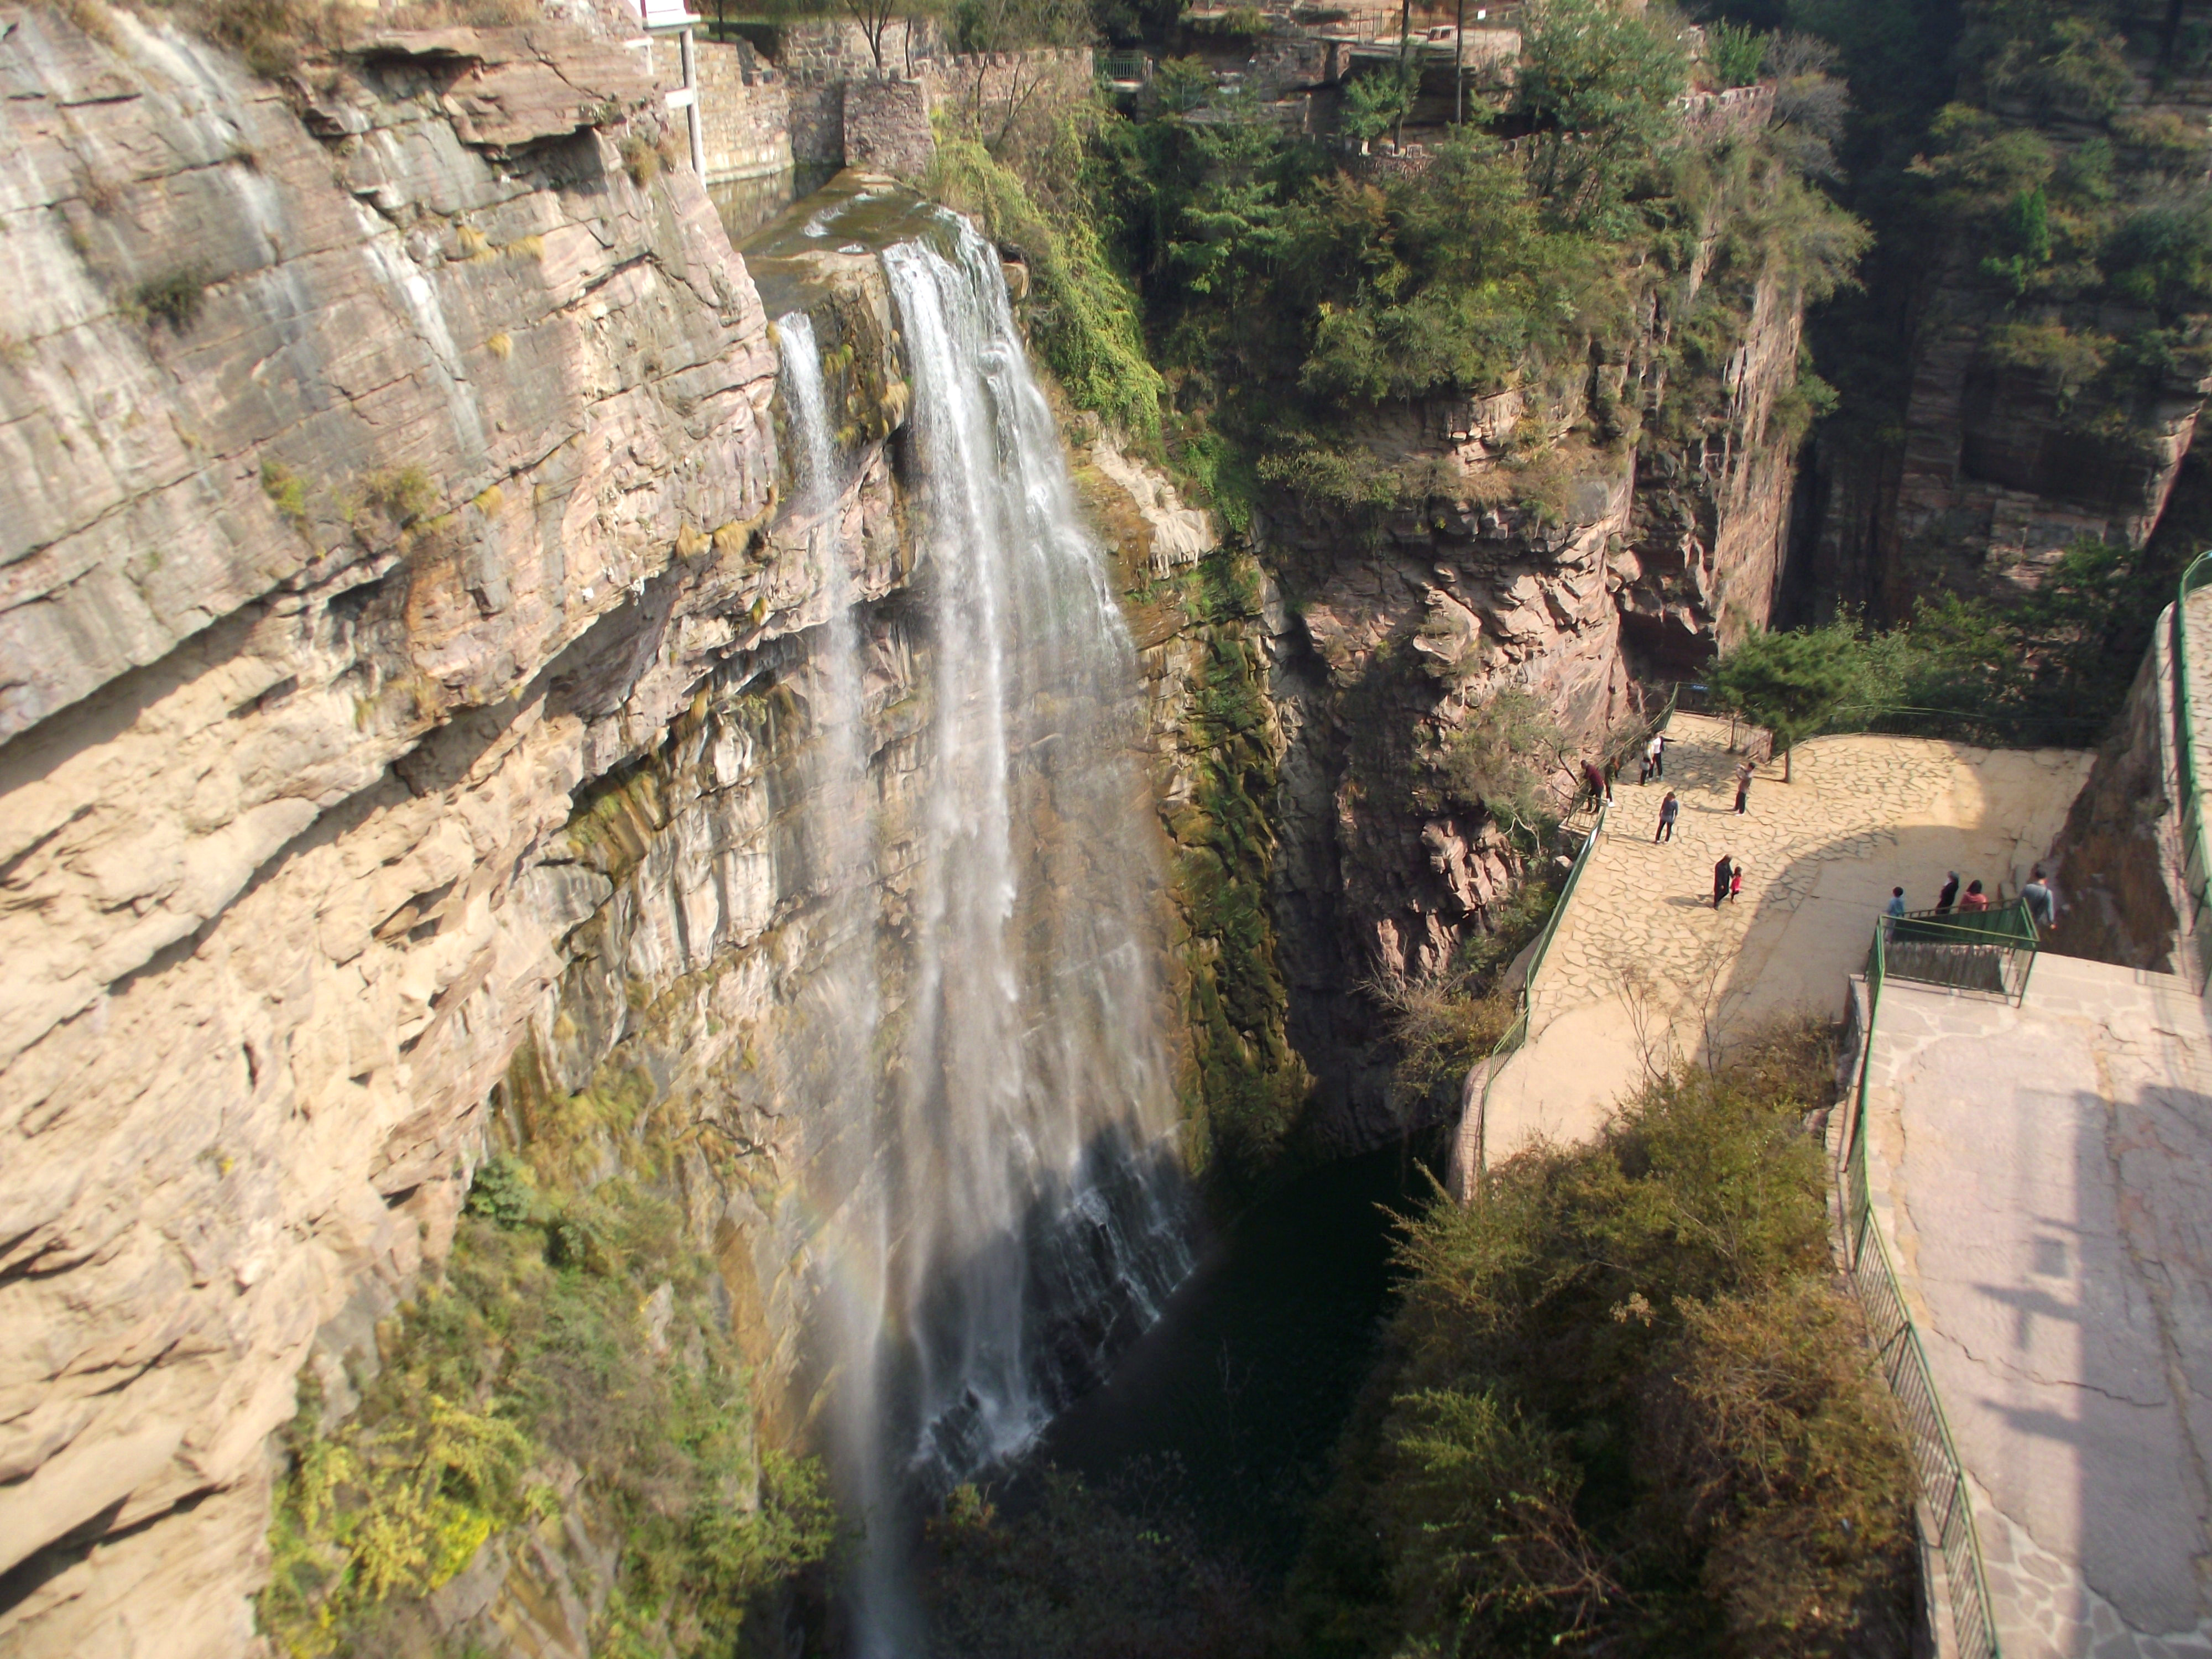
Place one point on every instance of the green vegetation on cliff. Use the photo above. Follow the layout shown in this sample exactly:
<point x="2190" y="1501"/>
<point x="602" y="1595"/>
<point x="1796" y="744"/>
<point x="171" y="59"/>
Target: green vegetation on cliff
<point x="1629" y="1412"/>
<point x="570" y="1371"/>
<point x="1247" y="1084"/>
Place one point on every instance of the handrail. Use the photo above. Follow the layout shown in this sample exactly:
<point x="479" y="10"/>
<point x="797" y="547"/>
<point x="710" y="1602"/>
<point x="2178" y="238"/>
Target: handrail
<point x="1517" y="1032"/>
<point x="2195" y="865"/>
<point x="1948" y="1504"/>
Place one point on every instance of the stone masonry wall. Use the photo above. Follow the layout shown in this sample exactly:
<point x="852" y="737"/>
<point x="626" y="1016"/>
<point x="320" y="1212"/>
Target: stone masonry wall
<point x="887" y="127"/>
<point x="744" y="111"/>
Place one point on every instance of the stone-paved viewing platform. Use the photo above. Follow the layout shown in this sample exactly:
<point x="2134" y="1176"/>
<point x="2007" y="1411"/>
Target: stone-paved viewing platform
<point x="1642" y="971"/>
<point x="2041" y="1173"/>
<point x="2042" y="1176"/>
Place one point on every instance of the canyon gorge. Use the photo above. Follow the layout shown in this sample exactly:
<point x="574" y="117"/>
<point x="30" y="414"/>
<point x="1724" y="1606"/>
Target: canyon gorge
<point x="504" y="689"/>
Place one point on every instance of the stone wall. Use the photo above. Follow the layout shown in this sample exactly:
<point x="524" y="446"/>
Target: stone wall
<point x="887" y="127"/>
<point x="817" y="132"/>
<point x="1711" y="115"/>
<point x="836" y="48"/>
<point x="744" y="113"/>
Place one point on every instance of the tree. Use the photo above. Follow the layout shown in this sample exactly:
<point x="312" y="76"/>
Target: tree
<point x="1374" y="103"/>
<point x="875" y="18"/>
<point x="1597" y="88"/>
<point x="1499" y="761"/>
<point x="1790" y="683"/>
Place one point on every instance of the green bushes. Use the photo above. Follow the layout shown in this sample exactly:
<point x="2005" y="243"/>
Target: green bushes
<point x="574" y="1329"/>
<point x="1630" y="1412"/>
<point x="1499" y="759"/>
<point x="1083" y="319"/>
<point x="1734" y="52"/>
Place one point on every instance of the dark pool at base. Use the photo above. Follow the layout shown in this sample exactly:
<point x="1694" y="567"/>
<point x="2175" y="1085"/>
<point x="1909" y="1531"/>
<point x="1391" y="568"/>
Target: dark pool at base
<point x="1229" y="1408"/>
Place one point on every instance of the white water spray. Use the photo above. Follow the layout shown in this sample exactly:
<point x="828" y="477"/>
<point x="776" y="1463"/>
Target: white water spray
<point x="1018" y="1213"/>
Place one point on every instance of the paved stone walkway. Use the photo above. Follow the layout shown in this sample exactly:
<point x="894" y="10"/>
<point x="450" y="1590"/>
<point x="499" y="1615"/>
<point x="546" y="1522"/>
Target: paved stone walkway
<point x="2043" y="1176"/>
<point x="1644" y="972"/>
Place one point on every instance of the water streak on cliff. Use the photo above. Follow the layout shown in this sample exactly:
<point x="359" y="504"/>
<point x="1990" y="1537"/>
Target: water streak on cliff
<point x="846" y="1008"/>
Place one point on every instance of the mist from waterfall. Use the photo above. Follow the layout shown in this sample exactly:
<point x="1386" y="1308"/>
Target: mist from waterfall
<point x="1017" y="1212"/>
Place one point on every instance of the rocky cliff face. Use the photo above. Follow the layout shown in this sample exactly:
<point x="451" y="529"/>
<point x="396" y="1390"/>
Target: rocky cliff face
<point x="385" y="457"/>
<point x="1558" y="578"/>
<point x="2049" y="388"/>
<point x="412" y="708"/>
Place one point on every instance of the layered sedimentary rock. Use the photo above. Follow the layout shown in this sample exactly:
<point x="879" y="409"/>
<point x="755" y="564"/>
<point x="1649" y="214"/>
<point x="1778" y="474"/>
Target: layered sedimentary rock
<point x="1558" y="579"/>
<point x="384" y="459"/>
<point x="2037" y="406"/>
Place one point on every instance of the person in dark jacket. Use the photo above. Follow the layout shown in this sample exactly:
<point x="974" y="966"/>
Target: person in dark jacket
<point x="1949" y="896"/>
<point x="1669" y="810"/>
<point x="1723" y="878"/>
<point x="1594" y="780"/>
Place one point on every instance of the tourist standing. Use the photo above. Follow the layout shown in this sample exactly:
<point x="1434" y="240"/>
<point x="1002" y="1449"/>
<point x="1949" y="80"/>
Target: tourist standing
<point x="1594" y="780"/>
<point x="1735" y="883"/>
<point x="1655" y="755"/>
<point x="1976" y="899"/>
<point x="1897" y="900"/>
<point x="2042" y="903"/>
<point x="1743" y="787"/>
<point x="1723" y="878"/>
<point x="1949" y="896"/>
<point x="1669" y="810"/>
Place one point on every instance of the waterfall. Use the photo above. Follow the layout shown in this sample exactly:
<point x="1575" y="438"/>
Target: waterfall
<point x="1019" y="1213"/>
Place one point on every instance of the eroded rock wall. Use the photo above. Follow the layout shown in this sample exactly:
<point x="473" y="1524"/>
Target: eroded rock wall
<point x="2034" y="406"/>
<point x="385" y="461"/>
<point x="1568" y="576"/>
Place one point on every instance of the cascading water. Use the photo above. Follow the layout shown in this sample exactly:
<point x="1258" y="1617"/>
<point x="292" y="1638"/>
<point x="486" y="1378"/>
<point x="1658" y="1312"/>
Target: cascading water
<point x="1017" y="1214"/>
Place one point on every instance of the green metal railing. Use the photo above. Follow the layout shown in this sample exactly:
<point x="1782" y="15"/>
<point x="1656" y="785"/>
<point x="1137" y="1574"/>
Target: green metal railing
<point x="1517" y="1032"/>
<point x="2196" y="867"/>
<point x="1947" y="1505"/>
<point x="1989" y="951"/>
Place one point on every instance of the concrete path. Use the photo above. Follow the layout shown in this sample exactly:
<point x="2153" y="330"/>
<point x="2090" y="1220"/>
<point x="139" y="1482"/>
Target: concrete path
<point x="2043" y="1176"/>
<point x="1644" y="972"/>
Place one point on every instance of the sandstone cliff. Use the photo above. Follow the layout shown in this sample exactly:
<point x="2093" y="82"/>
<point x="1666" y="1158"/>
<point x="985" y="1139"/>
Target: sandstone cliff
<point x="2045" y="387"/>
<point x="383" y="457"/>
<point x="1565" y="576"/>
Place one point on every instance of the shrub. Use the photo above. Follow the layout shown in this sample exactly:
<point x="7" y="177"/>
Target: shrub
<point x="1083" y="316"/>
<point x="2066" y="358"/>
<point x="1734" y="52"/>
<point x="175" y="299"/>
<point x="1499" y="759"/>
<point x="287" y="492"/>
<point x="1630" y="1412"/>
<point x="534" y="1350"/>
<point x="641" y="159"/>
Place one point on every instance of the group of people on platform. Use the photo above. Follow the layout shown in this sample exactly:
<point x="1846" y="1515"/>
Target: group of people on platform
<point x="2042" y="898"/>
<point x="1728" y="874"/>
